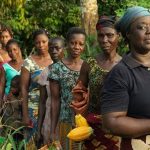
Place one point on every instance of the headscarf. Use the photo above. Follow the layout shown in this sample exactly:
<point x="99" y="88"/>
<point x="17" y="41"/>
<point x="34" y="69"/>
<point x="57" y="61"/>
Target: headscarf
<point x="105" y="21"/>
<point x="131" y="15"/>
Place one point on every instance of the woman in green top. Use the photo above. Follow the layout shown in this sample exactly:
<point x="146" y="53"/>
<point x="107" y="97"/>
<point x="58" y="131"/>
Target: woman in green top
<point x="63" y="76"/>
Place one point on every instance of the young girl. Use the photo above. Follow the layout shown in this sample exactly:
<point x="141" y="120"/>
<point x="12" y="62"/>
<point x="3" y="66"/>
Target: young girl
<point x="13" y="110"/>
<point x="56" y="50"/>
<point x="5" y="35"/>
<point x="63" y="76"/>
<point x="10" y="69"/>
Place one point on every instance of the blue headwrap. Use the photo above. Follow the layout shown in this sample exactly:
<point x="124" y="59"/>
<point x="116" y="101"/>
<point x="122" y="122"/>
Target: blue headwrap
<point x="130" y="15"/>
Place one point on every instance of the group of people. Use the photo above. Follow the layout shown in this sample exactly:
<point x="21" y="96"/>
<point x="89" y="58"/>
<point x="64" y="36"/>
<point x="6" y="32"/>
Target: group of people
<point x="110" y="91"/>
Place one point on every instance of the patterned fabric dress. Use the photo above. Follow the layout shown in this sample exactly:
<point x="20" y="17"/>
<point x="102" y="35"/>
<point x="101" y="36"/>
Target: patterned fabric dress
<point x="47" y="122"/>
<point x="100" y="140"/>
<point x="67" y="79"/>
<point x="33" y="95"/>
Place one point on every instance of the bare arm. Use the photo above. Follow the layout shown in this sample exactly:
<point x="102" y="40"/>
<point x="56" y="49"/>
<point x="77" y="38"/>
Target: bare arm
<point x="55" y="105"/>
<point x="84" y="74"/>
<point x="80" y="106"/>
<point x="25" y="79"/>
<point x="1" y="59"/>
<point x="120" y="124"/>
<point x="42" y="107"/>
<point x="2" y="85"/>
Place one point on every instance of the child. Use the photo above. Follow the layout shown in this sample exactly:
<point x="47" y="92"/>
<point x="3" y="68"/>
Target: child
<point x="56" y="50"/>
<point x="63" y="76"/>
<point x="5" y="35"/>
<point x="12" y="114"/>
<point x="10" y="69"/>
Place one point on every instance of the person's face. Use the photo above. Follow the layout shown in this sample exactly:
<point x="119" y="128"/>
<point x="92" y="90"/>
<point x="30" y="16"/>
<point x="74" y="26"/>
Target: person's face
<point x="41" y="43"/>
<point x="56" y="50"/>
<point x="108" y="39"/>
<point x="14" y="51"/>
<point x="76" y="45"/>
<point x="5" y="37"/>
<point x="139" y="35"/>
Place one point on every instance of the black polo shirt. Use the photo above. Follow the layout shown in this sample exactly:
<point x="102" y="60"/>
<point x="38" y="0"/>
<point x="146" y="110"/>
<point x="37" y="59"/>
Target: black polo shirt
<point x="127" y="89"/>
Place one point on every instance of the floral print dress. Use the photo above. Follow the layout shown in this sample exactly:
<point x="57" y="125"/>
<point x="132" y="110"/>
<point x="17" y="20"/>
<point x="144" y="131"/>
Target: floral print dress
<point x="100" y="140"/>
<point x="43" y="81"/>
<point x="67" y="79"/>
<point x="96" y="78"/>
<point x="33" y="95"/>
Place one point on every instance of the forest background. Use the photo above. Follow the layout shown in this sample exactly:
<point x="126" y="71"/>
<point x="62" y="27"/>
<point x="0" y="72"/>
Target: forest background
<point x="57" y="16"/>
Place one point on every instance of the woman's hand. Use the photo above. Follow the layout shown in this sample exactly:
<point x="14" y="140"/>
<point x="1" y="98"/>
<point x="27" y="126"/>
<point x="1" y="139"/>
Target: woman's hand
<point x="80" y="107"/>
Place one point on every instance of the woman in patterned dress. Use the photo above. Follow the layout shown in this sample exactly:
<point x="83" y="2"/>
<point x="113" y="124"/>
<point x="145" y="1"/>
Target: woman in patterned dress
<point x="31" y="69"/>
<point x="92" y="75"/>
<point x="56" y="50"/>
<point x="63" y="76"/>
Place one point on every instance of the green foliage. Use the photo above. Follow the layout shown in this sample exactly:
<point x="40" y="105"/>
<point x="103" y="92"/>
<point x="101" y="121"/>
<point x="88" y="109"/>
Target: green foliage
<point x="27" y="15"/>
<point x="92" y="47"/>
<point x="57" y="16"/>
<point x="117" y="7"/>
<point x="8" y="142"/>
<point x="73" y="16"/>
<point x="11" y="134"/>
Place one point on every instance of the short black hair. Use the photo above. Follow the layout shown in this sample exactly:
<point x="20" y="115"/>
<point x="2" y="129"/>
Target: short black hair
<point x="59" y="39"/>
<point x="74" y="30"/>
<point x="12" y="41"/>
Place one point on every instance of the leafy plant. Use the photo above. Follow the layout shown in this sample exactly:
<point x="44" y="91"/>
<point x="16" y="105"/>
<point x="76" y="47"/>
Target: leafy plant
<point x="9" y="141"/>
<point x="11" y="136"/>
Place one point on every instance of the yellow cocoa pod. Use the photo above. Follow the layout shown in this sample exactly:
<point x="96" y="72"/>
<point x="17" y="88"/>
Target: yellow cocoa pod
<point x="80" y="133"/>
<point x="80" y="121"/>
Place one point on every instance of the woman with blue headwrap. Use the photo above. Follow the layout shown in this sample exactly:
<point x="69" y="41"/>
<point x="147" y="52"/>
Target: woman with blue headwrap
<point x="126" y="93"/>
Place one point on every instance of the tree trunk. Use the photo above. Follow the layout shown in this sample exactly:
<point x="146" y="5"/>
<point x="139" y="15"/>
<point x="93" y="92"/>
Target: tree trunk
<point x="89" y="18"/>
